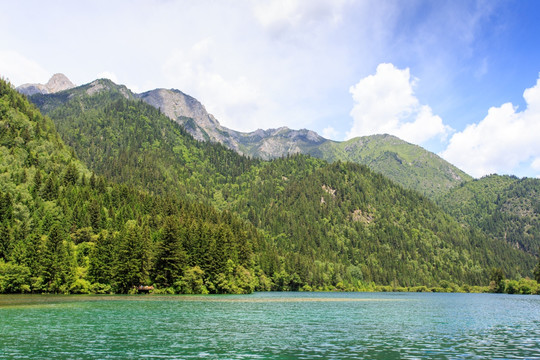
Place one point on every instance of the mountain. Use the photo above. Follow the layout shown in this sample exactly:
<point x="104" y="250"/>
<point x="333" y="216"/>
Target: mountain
<point x="57" y="83"/>
<point x="409" y="165"/>
<point x="65" y="230"/>
<point x="504" y="207"/>
<point x="322" y="225"/>
<point x="264" y="144"/>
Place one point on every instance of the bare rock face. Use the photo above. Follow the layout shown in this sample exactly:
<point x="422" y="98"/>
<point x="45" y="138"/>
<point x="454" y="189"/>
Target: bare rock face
<point x="190" y="113"/>
<point x="181" y="107"/>
<point x="57" y="83"/>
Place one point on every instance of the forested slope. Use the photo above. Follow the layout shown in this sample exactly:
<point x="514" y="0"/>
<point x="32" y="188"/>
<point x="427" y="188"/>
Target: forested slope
<point x="504" y="207"/>
<point x="324" y="225"/>
<point x="63" y="229"/>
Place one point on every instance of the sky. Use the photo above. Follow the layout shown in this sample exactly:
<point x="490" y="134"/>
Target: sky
<point x="460" y="78"/>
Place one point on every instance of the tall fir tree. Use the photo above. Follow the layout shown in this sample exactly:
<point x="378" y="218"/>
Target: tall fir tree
<point x="172" y="257"/>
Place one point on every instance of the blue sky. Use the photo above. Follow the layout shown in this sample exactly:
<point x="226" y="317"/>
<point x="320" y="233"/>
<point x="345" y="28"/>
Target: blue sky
<point x="447" y="75"/>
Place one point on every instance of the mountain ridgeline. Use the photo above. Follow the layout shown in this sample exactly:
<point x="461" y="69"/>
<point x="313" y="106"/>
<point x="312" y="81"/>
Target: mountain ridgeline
<point x="310" y="224"/>
<point x="407" y="164"/>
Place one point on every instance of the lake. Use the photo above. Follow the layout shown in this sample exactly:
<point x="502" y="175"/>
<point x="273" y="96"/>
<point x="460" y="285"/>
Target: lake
<point x="271" y="326"/>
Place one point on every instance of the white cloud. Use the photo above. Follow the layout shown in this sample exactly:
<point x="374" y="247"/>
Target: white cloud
<point x="108" y="75"/>
<point x="536" y="164"/>
<point x="232" y="98"/>
<point x="280" y="16"/>
<point x="20" y="69"/>
<point x="503" y="141"/>
<point x="330" y="133"/>
<point x="385" y="103"/>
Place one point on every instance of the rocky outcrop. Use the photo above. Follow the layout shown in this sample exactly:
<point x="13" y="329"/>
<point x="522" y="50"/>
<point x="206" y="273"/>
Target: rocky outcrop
<point x="57" y="83"/>
<point x="181" y="108"/>
<point x="190" y="113"/>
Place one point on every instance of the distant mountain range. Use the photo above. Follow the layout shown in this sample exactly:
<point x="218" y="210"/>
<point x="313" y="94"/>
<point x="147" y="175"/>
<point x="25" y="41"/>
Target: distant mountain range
<point x="409" y="165"/>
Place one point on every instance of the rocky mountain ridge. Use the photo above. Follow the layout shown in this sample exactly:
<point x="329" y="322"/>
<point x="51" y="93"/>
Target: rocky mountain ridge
<point x="409" y="165"/>
<point x="58" y="82"/>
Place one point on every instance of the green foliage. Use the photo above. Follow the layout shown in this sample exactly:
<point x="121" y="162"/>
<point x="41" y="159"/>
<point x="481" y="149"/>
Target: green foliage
<point x="192" y="282"/>
<point x="64" y="229"/>
<point x="14" y="278"/>
<point x="408" y="165"/>
<point x="320" y="226"/>
<point x="171" y="258"/>
<point x="537" y="272"/>
<point x="147" y="214"/>
<point x="503" y="207"/>
<point x="496" y="283"/>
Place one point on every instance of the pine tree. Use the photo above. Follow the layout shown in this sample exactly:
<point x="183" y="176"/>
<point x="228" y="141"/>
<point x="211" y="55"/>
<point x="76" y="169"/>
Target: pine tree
<point x="172" y="257"/>
<point x="100" y="267"/>
<point x="37" y="182"/>
<point x="127" y="270"/>
<point x="6" y="241"/>
<point x="56" y="264"/>
<point x="6" y="207"/>
<point x="50" y="190"/>
<point x="72" y="174"/>
<point x="95" y="215"/>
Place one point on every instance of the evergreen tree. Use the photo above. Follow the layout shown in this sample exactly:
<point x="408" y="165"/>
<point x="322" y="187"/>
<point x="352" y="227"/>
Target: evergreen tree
<point x="37" y="182"/>
<point x="172" y="257"/>
<point x="6" y="241"/>
<point x="537" y="272"/>
<point x="100" y="267"/>
<point x="50" y="191"/>
<point x="6" y="207"/>
<point x="95" y="214"/>
<point x="56" y="263"/>
<point x="128" y="270"/>
<point x="71" y="175"/>
<point x="496" y="283"/>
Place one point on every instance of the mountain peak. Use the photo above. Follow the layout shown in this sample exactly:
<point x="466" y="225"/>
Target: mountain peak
<point x="58" y="82"/>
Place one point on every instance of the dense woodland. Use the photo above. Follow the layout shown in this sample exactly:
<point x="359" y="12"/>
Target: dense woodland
<point x="503" y="207"/>
<point x="64" y="229"/>
<point x="148" y="204"/>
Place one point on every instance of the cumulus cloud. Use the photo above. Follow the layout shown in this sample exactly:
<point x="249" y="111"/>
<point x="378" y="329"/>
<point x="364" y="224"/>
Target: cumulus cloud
<point x="503" y="141"/>
<point x="385" y="103"/>
<point x="330" y="133"/>
<point x="20" y="69"/>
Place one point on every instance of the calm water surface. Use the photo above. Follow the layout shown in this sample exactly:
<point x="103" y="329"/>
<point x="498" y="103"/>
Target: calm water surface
<point x="272" y="326"/>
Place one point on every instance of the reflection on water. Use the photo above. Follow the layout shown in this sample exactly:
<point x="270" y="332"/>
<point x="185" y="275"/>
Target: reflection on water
<point x="272" y="326"/>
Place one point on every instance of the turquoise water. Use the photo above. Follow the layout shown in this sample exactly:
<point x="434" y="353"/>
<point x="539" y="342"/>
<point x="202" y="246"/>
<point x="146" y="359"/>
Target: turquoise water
<point x="272" y="326"/>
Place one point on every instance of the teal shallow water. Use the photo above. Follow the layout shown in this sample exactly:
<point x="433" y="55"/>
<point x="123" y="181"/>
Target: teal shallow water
<point x="272" y="326"/>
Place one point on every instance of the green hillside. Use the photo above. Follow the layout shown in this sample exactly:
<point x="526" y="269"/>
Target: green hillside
<point x="504" y="207"/>
<point x="409" y="165"/>
<point x="65" y="230"/>
<point x="324" y="225"/>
